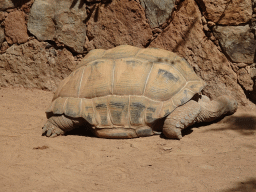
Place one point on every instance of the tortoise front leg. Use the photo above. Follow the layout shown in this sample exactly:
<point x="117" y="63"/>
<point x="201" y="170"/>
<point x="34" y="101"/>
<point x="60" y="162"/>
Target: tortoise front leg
<point x="60" y="124"/>
<point x="181" y="118"/>
<point x="192" y="112"/>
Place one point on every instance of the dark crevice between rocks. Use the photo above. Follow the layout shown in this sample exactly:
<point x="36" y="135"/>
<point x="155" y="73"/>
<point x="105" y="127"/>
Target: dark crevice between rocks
<point x="18" y="3"/>
<point x="57" y="46"/>
<point x="201" y="6"/>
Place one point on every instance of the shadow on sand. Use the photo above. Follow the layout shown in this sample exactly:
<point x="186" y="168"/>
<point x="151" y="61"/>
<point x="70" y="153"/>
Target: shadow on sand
<point x="245" y="124"/>
<point x="244" y="186"/>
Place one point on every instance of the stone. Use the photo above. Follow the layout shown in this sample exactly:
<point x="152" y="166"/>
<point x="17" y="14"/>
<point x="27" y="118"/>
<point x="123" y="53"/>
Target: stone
<point x="40" y="20"/>
<point x="186" y="37"/>
<point x="252" y="71"/>
<point x="227" y="12"/>
<point x="237" y="42"/>
<point x="6" y="4"/>
<point x="118" y="23"/>
<point x="4" y="47"/>
<point x="157" y="12"/>
<point x="2" y="16"/>
<point x="244" y="79"/>
<point x="16" y="28"/>
<point x="32" y="65"/>
<point x="62" y="21"/>
<point x="2" y="36"/>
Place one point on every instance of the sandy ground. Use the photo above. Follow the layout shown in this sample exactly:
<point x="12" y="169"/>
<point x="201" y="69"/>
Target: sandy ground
<point x="217" y="157"/>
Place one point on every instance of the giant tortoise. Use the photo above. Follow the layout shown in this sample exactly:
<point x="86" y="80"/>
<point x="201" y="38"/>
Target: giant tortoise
<point x="125" y="91"/>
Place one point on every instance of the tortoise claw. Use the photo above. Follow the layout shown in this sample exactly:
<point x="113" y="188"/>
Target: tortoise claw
<point x="49" y="133"/>
<point x="49" y="130"/>
<point x="54" y="135"/>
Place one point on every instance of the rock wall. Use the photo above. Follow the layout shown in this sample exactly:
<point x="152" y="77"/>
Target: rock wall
<point x="41" y="41"/>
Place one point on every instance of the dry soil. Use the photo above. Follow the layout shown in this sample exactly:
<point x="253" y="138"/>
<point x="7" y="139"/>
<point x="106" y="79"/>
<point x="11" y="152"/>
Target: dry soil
<point x="216" y="157"/>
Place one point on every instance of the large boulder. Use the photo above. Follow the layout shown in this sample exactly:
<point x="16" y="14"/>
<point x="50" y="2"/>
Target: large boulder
<point x="118" y="23"/>
<point x="227" y="12"/>
<point x="185" y="36"/>
<point x="61" y="21"/>
<point x="237" y="42"/>
<point x="6" y="4"/>
<point x="16" y="28"/>
<point x="157" y="12"/>
<point x="40" y="21"/>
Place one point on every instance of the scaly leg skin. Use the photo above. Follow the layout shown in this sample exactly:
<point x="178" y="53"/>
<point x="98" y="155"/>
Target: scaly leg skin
<point x="181" y="118"/>
<point x="60" y="124"/>
<point x="192" y="112"/>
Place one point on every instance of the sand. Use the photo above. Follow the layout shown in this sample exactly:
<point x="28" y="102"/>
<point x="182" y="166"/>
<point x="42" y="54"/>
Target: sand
<point x="215" y="157"/>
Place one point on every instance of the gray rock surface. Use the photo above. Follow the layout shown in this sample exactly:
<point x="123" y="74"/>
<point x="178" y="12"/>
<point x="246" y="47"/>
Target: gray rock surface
<point x="6" y="4"/>
<point x="40" y="21"/>
<point x="237" y="42"/>
<point x="157" y="12"/>
<point x="244" y="79"/>
<point x="61" y="21"/>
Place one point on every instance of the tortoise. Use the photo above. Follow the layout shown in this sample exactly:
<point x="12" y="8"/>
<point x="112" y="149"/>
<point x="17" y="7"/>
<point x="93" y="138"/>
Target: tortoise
<point x="124" y="92"/>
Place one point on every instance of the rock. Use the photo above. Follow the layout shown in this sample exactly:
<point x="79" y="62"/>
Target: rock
<point x="40" y="21"/>
<point x="6" y="4"/>
<point x="15" y="27"/>
<point x="206" y="28"/>
<point x="70" y="31"/>
<point x="62" y="21"/>
<point x="2" y="36"/>
<point x="118" y="23"/>
<point x="252" y="71"/>
<point x="185" y="36"/>
<point x="70" y="26"/>
<point x="32" y="65"/>
<point x="4" y="47"/>
<point x="244" y="79"/>
<point x="237" y="42"/>
<point x="227" y="12"/>
<point x="157" y="12"/>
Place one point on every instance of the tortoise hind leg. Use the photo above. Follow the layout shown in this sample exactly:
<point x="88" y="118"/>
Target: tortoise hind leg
<point x="60" y="124"/>
<point x="181" y="118"/>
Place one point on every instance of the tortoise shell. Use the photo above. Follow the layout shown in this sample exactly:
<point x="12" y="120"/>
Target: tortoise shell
<point x="126" y="87"/>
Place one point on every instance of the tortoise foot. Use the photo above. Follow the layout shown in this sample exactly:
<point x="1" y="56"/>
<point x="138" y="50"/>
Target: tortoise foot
<point x="181" y="118"/>
<point x="51" y="130"/>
